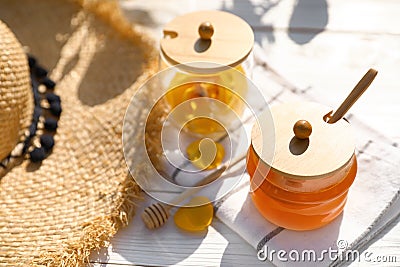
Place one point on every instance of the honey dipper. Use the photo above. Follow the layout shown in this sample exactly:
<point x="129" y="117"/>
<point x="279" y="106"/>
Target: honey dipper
<point x="157" y="214"/>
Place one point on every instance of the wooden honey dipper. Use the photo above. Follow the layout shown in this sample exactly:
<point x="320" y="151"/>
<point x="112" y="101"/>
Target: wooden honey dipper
<point x="157" y="214"/>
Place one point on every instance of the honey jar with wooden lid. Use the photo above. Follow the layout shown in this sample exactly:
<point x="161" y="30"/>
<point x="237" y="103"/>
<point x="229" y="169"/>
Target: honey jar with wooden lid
<point x="209" y="53"/>
<point x="304" y="184"/>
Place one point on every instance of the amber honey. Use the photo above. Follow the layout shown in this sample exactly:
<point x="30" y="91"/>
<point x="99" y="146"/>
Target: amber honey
<point x="228" y="87"/>
<point x="299" y="204"/>
<point x="197" y="217"/>
<point x="212" y="156"/>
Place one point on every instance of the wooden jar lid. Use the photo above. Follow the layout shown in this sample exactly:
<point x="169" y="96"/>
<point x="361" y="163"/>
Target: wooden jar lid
<point x="328" y="148"/>
<point x="214" y="37"/>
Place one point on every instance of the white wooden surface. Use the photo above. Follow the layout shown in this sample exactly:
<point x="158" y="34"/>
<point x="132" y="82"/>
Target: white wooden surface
<point x="327" y="45"/>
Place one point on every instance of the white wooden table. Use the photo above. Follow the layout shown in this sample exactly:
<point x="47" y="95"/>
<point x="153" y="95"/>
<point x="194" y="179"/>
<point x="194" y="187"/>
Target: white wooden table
<point x="327" y="45"/>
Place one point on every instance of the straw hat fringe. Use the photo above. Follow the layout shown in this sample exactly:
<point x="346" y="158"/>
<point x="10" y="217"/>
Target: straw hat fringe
<point x="97" y="233"/>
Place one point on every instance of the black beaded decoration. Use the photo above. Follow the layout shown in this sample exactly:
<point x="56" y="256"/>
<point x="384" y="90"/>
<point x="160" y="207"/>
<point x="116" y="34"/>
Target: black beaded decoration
<point x="51" y="115"/>
<point x="39" y="71"/>
<point x="51" y="98"/>
<point x="48" y="83"/>
<point x="39" y="76"/>
<point x="31" y="61"/>
<point x="37" y="154"/>
<point x="47" y="142"/>
<point x="55" y="109"/>
<point x="50" y="124"/>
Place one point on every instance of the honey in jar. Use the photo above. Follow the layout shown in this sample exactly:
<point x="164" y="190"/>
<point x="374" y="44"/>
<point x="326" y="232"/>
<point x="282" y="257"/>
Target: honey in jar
<point x="304" y="185"/>
<point x="205" y="154"/>
<point x="210" y="52"/>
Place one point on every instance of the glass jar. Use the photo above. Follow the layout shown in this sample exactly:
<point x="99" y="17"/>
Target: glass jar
<point x="208" y="68"/>
<point x="304" y="185"/>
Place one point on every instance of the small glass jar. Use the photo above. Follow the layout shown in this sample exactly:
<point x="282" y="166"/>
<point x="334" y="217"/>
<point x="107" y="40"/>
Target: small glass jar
<point x="305" y="186"/>
<point x="209" y="51"/>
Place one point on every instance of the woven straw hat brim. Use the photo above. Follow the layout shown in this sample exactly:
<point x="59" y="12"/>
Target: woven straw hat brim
<point x="56" y="212"/>
<point x="16" y="97"/>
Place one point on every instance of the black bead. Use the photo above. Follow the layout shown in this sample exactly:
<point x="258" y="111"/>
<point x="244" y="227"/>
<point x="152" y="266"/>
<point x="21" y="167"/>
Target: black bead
<point x="32" y="129"/>
<point x="31" y="61"/>
<point x="50" y="124"/>
<point x="50" y="84"/>
<point x="47" y="142"/>
<point x="37" y="154"/>
<point x="53" y="98"/>
<point x="55" y="109"/>
<point x="40" y="72"/>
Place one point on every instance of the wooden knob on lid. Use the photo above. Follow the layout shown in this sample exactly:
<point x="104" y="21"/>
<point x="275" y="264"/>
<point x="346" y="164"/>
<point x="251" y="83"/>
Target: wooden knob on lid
<point x="302" y="129"/>
<point x="206" y="30"/>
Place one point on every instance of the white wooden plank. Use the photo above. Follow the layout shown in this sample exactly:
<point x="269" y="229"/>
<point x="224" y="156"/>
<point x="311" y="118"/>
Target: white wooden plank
<point x="385" y="251"/>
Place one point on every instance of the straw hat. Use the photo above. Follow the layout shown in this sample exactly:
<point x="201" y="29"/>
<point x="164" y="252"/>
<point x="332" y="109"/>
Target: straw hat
<point x="55" y="212"/>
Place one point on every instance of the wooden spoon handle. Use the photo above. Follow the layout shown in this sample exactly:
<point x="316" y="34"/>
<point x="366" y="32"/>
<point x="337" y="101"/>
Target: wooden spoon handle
<point x="355" y="94"/>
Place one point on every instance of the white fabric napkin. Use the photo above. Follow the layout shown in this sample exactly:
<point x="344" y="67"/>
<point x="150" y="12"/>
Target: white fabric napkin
<point x="373" y="200"/>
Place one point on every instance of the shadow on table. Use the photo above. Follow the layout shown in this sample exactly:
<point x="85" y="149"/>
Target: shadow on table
<point x="253" y="13"/>
<point x="308" y="19"/>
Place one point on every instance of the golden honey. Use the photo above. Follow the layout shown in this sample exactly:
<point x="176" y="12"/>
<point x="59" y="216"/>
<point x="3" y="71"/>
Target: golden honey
<point x="228" y="87"/>
<point x="195" y="218"/>
<point x="208" y="157"/>
<point x="299" y="204"/>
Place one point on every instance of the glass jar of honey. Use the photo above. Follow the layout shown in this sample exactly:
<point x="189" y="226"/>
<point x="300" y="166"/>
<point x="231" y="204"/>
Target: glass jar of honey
<point x="209" y="52"/>
<point x="304" y="184"/>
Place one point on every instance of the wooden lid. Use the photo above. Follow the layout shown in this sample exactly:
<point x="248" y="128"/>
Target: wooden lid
<point x="215" y="37"/>
<point x="327" y="149"/>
